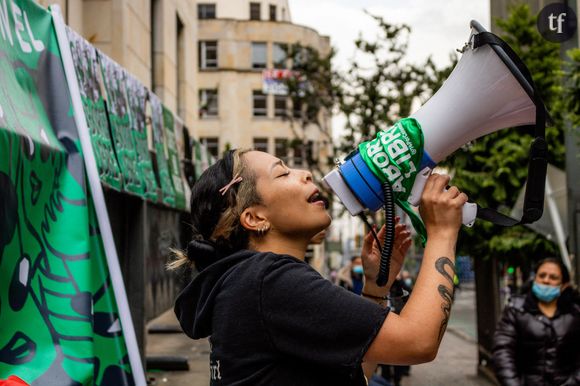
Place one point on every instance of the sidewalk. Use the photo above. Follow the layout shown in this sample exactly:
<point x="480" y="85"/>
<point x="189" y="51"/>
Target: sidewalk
<point x="456" y="362"/>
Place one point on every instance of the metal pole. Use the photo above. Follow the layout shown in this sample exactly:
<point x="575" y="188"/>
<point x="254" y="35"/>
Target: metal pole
<point x="572" y="137"/>
<point x="557" y="223"/>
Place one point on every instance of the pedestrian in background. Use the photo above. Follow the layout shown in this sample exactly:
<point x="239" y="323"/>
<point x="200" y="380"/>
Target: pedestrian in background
<point x="271" y="318"/>
<point x="537" y="341"/>
<point x="351" y="276"/>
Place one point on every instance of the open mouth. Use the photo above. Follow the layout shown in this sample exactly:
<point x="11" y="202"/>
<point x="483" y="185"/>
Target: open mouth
<point x="318" y="199"/>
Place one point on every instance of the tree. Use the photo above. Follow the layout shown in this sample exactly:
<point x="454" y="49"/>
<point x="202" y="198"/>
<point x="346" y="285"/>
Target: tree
<point x="571" y="98"/>
<point x="381" y="87"/>
<point x="492" y="170"/>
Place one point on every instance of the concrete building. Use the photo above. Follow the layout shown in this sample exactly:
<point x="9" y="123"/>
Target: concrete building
<point x="155" y="40"/>
<point x="237" y="41"/>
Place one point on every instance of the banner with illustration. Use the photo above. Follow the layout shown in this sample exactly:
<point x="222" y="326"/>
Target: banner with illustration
<point x="89" y="75"/>
<point x="173" y="158"/>
<point x="137" y="96"/>
<point x="161" y="153"/>
<point x="119" y="117"/>
<point x="58" y="315"/>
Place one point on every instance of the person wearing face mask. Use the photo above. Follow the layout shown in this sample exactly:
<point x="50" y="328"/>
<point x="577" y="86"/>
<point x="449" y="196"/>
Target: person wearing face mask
<point x="351" y="275"/>
<point x="537" y="341"/>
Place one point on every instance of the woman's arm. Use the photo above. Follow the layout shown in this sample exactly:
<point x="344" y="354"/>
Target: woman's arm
<point x="414" y="335"/>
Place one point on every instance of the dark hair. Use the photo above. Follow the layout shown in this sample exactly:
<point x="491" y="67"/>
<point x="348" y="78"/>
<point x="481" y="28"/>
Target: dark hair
<point x="559" y="263"/>
<point x="215" y="218"/>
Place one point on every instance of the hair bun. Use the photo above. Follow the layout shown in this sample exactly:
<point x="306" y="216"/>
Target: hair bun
<point x="202" y="253"/>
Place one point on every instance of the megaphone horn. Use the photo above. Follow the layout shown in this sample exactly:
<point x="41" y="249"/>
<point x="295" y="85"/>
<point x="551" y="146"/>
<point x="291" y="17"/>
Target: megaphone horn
<point x="489" y="89"/>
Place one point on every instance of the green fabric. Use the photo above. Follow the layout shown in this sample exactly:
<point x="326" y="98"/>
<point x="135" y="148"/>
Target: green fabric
<point x="394" y="156"/>
<point x="59" y="321"/>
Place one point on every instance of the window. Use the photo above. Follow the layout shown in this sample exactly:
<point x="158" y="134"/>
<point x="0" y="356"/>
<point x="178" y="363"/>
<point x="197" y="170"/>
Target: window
<point x="297" y="108"/>
<point x="212" y="144"/>
<point x="205" y="11"/>
<point x="259" y="55"/>
<point x="260" y="104"/>
<point x="281" y="148"/>
<point x="280" y="106"/>
<point x="279" y="55"/>
<point x="272" y="12"/>
<point x="261" y="144"/>
<point x="208" y="103"/>
<point x="298" y="154"/>
<point x="208" y="54"/>
<point x="255" y="11"/>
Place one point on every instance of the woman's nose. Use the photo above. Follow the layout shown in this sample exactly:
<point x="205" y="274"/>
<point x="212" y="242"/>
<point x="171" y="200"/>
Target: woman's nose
<point x="307" y="176"/>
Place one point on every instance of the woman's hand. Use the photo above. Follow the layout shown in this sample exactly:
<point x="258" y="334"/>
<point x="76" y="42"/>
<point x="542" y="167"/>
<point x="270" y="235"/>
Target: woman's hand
<point x="441" y="208"/>
<point x="371" y="254"/>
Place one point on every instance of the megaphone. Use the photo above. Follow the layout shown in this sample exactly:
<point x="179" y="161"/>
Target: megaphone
<point x="489" y="89"/>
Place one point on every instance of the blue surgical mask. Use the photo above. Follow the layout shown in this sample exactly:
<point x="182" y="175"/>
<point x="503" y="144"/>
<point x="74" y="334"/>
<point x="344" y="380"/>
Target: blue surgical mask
<point x="358" y="269"/>
<point x="545" y="293"/>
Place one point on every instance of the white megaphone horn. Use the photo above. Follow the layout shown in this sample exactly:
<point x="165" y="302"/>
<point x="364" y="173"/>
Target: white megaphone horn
<point x="490" y="89"/>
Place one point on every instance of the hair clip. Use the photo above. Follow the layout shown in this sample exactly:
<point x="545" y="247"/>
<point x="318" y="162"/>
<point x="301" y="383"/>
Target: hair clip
<point x="237" y="178"/>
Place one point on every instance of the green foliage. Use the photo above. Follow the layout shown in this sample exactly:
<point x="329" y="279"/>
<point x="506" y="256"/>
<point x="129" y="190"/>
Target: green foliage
<point x="381" y="87"/>
<point x="493" y="169"/>
<point x="313" y="92"/>
<point x="571" y="97"/>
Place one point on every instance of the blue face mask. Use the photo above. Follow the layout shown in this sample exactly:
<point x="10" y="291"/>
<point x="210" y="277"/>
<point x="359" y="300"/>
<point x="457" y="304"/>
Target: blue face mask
<point x="358" y="269"/>
<point x="545" y="293"/>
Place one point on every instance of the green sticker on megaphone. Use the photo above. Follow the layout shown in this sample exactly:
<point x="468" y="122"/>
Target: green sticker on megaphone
<point x="394" y="156"/>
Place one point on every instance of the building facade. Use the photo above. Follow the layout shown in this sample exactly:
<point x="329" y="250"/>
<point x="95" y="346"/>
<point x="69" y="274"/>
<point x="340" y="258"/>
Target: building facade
<point x="155" y="40"/>
<point x="236" y="44"/>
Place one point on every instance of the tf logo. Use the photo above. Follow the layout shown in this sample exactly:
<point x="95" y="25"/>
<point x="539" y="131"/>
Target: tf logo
<point x="557" y="22"/>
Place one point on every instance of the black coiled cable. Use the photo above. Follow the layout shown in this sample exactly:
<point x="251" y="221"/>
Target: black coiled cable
<point x="389" y="207"/>
<point x="387" y="247"/>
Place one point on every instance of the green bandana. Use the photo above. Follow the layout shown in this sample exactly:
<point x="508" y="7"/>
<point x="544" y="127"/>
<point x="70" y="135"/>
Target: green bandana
<point x="394" y="156"/>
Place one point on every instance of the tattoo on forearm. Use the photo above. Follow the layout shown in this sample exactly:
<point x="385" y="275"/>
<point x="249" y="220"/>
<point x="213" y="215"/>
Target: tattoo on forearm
<point x="445" y="292"/>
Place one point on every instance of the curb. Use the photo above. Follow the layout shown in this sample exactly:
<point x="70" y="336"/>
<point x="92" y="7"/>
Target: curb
<point x="457" y="332"/>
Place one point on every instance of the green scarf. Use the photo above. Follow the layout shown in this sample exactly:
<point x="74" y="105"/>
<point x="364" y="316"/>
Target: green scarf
<point x="394" y="156"/>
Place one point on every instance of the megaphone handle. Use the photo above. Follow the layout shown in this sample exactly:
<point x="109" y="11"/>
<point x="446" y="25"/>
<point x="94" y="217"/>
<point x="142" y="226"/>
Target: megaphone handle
<point x="469" y="209"/>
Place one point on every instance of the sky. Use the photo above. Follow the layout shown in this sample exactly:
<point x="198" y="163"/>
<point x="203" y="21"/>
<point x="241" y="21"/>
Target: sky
<point x="438" y="27"/>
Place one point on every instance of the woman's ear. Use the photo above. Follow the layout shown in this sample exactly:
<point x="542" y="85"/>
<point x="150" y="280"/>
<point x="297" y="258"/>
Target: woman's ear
<point x="253" y="218"/>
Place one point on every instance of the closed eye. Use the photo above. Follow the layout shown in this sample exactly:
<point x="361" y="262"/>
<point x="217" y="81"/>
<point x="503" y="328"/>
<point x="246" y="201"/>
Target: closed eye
<point x="284" y="175"/>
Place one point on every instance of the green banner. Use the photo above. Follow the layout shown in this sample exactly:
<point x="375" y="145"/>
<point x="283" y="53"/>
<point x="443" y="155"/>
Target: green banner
<point x="394" y="157"/>
<point x="88" y="75"/>
<point x="173" y="158"/>
<point x="58" y="315"/>
<point x="161" y="153"/>
<point x="120" y="120"/>
<point x="137" y="97"/>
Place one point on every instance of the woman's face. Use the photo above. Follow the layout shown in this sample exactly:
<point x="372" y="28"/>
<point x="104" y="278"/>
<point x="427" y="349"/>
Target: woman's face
<point x="289" y="197"/>
<point x="549" y="274"/>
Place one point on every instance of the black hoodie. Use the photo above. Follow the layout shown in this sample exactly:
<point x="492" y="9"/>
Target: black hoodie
<point x="273" y="320"/>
